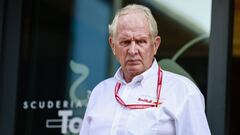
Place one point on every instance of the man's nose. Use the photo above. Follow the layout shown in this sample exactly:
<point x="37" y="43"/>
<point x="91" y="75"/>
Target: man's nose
<point x="133" y="48"/>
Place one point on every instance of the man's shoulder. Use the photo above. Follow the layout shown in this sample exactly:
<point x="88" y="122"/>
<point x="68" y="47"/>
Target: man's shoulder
<point x="103" y="87"/>
<point x="180" y="81"/>
<point x="106" y="83"/>
<point x="174" y="76"/>
<point x="180" y="90"/>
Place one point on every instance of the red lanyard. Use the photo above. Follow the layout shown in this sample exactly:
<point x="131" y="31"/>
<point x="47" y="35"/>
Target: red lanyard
<point x="141" y="106"/>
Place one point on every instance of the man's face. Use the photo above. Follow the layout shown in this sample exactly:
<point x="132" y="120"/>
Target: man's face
<point x="133" y="44"/>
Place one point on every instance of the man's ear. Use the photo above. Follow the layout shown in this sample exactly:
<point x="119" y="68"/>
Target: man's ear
<point x="157" y="42"/>
<point x="111" y="43"/>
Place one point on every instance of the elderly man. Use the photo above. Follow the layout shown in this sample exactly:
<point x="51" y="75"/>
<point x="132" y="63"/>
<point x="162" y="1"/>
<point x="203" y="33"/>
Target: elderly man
<point x="141" y="98"/>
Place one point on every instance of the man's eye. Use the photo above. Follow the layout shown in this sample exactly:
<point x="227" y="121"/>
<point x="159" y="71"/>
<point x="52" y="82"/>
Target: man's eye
<point x="141" y="41"/>
<point x="125" y="43"/>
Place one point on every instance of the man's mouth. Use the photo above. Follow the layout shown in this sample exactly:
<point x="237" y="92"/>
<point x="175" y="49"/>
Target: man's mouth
<point x="133" y="62"/>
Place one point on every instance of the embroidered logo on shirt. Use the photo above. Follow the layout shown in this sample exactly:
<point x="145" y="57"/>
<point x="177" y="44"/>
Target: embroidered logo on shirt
<point x="145" y="100"/>
<point x="148" y="101"/>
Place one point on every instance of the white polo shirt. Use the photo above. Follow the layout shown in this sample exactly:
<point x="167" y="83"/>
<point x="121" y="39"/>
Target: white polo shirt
<point x="181" y="111"/>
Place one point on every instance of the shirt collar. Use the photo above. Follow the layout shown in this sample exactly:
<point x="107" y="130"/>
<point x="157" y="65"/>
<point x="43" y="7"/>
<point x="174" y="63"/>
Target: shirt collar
<point x="153" y="70"/>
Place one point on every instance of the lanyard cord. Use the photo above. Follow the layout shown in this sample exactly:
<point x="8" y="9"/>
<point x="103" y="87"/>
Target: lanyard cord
<point x="141" y="106"/>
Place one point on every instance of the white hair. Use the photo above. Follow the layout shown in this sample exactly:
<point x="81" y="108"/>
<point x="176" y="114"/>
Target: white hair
<point x="134" y="8"/>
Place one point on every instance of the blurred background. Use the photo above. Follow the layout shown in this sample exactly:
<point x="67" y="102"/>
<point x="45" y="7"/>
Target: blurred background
<point x="53" y="53"/>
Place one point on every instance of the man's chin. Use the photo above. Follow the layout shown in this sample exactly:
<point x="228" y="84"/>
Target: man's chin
<point x="135" y="69"/>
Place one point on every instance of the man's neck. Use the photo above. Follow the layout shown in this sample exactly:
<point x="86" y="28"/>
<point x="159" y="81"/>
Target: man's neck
<point x="128" y="78"/>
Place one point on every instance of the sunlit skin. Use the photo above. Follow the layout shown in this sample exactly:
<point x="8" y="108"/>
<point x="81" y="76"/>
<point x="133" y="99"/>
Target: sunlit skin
<point x="133" y="44"/>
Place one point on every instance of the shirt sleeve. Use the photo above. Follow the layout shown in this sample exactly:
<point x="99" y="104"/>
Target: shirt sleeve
<point x="86" y="121"/>
<point x="191" y="120"/>
<point x="84" y="127"/>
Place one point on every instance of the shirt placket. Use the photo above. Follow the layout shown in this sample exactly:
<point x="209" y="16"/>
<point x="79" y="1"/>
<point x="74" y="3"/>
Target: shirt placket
<point x="121" y="115"/>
